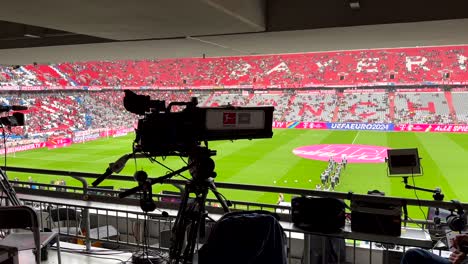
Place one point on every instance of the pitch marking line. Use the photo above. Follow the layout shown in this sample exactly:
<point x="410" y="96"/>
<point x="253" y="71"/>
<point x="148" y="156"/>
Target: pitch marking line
<point x="354" y="140"/>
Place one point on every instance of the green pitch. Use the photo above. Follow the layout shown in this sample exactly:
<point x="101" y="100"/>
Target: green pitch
<point x="271" y="162"/>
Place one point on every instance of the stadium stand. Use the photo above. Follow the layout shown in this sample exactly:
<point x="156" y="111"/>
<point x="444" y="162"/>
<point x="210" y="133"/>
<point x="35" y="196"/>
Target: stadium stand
<point x="47" y="75"/>
<point x="405" y="65"/>
<point x="105" y="109"/>
<point x="279" y="101"/>
<point x="312" y="107"/>
<point x="67" y="111"/>
<point x="368" y="108"/>
<point x="49" y="112"/>
<point x="460" y="106"/>
<point x="428" y="108"/>
<point x="440" y="65"/>
<point x="16" y="75"/>
<point x="310" y="87"/>
<point x="227" y="99"/>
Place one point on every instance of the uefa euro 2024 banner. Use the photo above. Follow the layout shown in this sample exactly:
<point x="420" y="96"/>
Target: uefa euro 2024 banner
<point x="334" y="126"/>
<point x="450" y="128"/>
<point x="360" y="126"/>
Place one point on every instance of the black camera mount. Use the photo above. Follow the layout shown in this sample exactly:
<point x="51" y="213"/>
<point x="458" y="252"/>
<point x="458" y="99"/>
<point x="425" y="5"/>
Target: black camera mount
<point x="190" y="220"/>
<point x="437" y="194"/>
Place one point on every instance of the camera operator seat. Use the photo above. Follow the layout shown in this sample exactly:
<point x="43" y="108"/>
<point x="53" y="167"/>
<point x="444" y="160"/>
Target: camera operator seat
<point x="254" y="237"/>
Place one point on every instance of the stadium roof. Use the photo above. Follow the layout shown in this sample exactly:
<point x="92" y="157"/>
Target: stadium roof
<point x="176" y="28"/>
<point x="120" y="20"/>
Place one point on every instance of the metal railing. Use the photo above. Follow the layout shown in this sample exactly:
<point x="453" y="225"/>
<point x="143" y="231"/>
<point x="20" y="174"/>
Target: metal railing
<point x="100" y="217"/>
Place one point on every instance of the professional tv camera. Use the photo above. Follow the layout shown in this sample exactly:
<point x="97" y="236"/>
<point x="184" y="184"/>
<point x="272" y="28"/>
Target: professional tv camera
<point x="178" y="130"/>
<point x="15" y="119"/>
<point x="164" y="132"/>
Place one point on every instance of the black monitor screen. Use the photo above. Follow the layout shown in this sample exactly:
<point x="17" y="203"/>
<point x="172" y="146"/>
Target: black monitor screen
<point x="403" y="161"/>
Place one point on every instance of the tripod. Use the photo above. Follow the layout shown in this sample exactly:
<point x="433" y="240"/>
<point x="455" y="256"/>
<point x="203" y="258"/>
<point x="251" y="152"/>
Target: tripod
<point x="190" y="221"/>
<point x="6" y="187"/>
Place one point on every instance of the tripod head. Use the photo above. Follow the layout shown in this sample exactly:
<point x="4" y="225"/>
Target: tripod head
<point x="202" y="165"/>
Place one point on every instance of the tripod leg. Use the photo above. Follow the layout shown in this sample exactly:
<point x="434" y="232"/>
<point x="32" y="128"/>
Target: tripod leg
<point x="218" y="196"/>
<point x="178" y="230"/>
<point x="8" y="189"/>
<point x="197" y="223"/>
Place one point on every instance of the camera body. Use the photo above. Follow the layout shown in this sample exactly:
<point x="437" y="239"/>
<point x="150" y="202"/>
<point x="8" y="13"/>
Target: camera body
<point x="162" y="131"/>
<point x="16" y="119"/>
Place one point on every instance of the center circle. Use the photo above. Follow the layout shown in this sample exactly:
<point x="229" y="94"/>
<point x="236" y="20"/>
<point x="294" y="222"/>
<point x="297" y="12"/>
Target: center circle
<point x="354" y="153"/>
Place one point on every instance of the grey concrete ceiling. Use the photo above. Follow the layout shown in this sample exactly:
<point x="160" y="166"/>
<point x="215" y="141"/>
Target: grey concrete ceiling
<point x="432" y="33"/>
<point x="224" y="25"/>
<point x="139" y="19"/>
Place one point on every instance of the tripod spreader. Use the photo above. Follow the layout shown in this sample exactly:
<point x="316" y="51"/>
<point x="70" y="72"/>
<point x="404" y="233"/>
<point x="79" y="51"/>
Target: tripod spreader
<point x="150" y="182"/>
<point x="436" y="193"/>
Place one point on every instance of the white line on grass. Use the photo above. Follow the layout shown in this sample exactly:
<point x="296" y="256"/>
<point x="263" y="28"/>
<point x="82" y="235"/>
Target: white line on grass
<point x="357" y="134"/>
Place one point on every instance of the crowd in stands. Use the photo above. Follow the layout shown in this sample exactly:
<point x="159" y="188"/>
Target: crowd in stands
<point x="414" y="107"/>
<point x="60" y="113"/>
<point x="367" y="108"/>
<point x="459" y="103"/>
<point x="280" y="102"/>
<point x="11" y="76"/>
<point x="71" y="111"/>
<point x="419" y="65"/>
<point x="312" y="107"/>
<point x="53" y="113"/>
<point x="71" y="108"/>
<point x="105" y="109"/>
